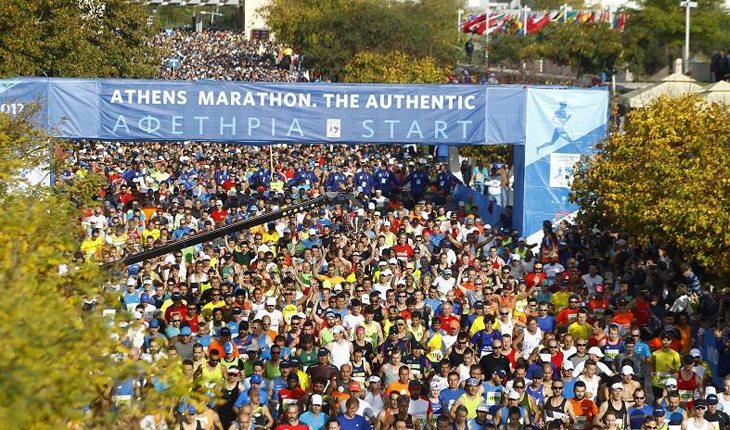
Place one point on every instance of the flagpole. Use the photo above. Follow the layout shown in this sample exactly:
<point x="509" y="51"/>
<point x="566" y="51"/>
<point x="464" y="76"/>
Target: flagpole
<point x="525" y="11"/>
<point x="486" y="38"/>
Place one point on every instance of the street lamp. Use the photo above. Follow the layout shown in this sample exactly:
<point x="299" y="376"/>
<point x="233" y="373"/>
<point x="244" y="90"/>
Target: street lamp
<point x="486" y="33"/>
<point x="687" y="5"/>
<point x="458" y="25"/>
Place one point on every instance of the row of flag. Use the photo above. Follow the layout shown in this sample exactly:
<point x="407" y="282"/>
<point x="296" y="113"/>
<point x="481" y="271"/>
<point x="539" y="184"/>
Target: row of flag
<point x="513" y="21"/>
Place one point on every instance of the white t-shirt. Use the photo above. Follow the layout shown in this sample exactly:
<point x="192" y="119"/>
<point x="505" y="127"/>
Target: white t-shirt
<point x="444" y="285"/>
<point x="351" y="321"/>
<point x="275" y="316"/>
<point x="592" y="281"/>
<point x="552" y="269"/>
<point x="419" y="409"/>
<point x="530" y="342"/>
<point x="363" y="409"/>
<point x="591" y="385"/>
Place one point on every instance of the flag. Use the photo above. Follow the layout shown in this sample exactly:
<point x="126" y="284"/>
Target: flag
<point x="472" y="23"/>
<point x="536" y="24"/>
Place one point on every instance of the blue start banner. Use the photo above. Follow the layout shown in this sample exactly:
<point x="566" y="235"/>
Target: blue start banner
<point x="270" y="112"/>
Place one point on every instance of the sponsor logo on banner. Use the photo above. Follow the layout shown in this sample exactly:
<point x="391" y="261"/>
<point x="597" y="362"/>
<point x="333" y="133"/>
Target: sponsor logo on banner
<point x="562" y="167"/>
<point x="334" y="127"/>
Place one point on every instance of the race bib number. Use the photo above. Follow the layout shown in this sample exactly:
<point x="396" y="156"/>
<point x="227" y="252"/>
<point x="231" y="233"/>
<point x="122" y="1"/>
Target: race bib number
<point x="685" y="395"/>
<point x="580" y="423"/>
<point x="661" y="378"/>
<point x="493" y="397"/>
<point x="611" y="353"/>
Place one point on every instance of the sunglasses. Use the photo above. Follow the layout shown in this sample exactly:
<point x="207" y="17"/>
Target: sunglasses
<point x="639" y="398"/>
<point x="651" y="427"/>
<point x="581" y="344"/>
<point x="519" y="387"/>
<point x="558" y="387"/>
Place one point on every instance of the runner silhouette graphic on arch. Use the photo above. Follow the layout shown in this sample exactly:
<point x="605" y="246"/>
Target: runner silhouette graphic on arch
<point x="560" y="118"/>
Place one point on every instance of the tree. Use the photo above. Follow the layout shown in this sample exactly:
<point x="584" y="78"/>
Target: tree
<point x="654" y="34"/>
<point x="555" y="4"/>
<point x="331" y="32"/>
<point x="394" y="68"/>
<point x="80" y="38"/>
<point x="59" y="360"/>
<point x="586" y="48"/>
<point x="510" y="49"/>
<point x="667" y="178"/>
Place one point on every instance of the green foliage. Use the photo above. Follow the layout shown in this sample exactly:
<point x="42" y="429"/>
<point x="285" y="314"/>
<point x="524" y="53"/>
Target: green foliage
<point x="393" y="68"/>
<point x="59" y="38"/>
<point x="57" y="358"/>
<point x="554" y="4"/>
<point x="667" y="178"/>
<point x="511" y="50"/>
<point x="586" y="48"/>
<point x="654" y="34"/>
<point x="331" y="32"/>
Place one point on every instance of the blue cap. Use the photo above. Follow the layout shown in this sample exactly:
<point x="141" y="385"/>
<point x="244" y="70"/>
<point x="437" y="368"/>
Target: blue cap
<point x="472" y="381"/>
<point x="155" y="323"/>
<point x="144" y="297"/>
<point x="228" y="348"/>
<point x="256" y="379"/>
<point x="186" y="407"/>
<point x="658" y="412"/>
<point x="322" y="352"/>
<point x="185" y="331"/>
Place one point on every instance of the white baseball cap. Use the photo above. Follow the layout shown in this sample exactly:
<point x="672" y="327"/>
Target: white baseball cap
<point x="271" y="301"/>
<point x="617" y="386"/>
<point x="627" y="370"/>
<point x="596" y="351"/>
<point x="316" y="399"/>
<point x="568" y="365"/>
<point x="513" y="395"/>
<point x="694" y="352"/>
<point x="671" y="381"/>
